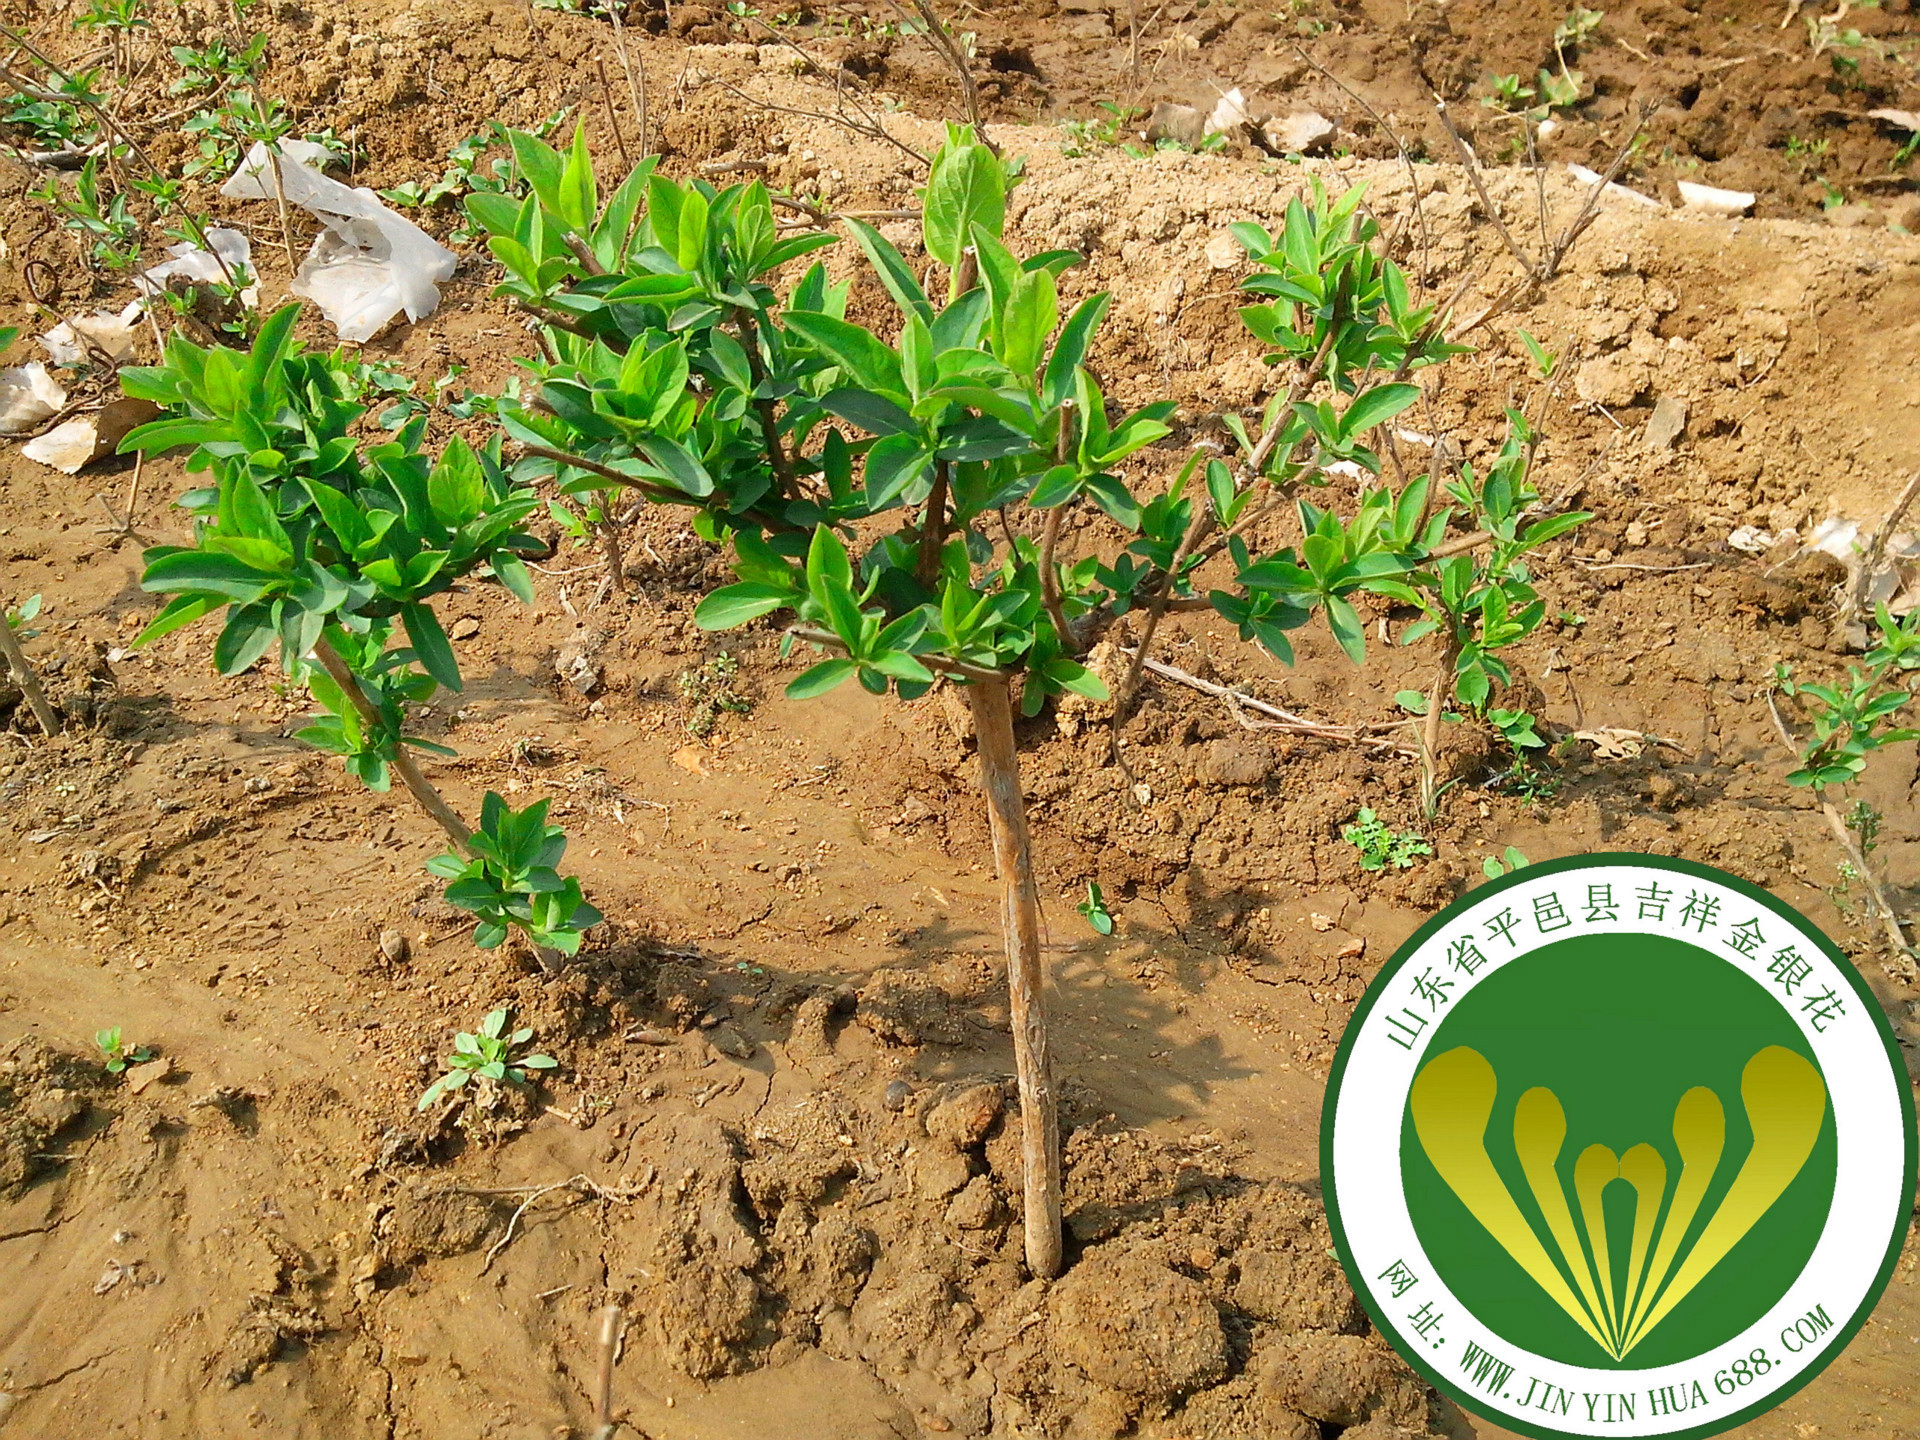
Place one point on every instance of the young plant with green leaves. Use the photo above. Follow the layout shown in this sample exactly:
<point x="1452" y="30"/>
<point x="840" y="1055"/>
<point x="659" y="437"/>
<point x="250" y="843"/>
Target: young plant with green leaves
<point x="103" y="223"/>
<point x="116" y="1054"/>
<point x="216" y="63"/>
<point x="513" y="880"/>
<point x="488" y="1054"/>
<point x="308" y="537"/>
<point x="1477" y="598"/>
<point x="1094" y="910"/>
<point x="1380" y="845"/>
<point x="1846" y="723"/>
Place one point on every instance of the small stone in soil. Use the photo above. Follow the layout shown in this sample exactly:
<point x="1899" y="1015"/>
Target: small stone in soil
<point x="1668" y="424"/>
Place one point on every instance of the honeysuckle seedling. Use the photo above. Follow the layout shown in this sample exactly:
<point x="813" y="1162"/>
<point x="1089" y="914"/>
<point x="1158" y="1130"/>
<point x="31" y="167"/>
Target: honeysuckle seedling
<point x="487" y="1054"/>
<point x="1847" y="723"/>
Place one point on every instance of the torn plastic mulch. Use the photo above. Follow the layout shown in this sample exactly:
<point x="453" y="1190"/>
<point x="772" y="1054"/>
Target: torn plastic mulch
<point x="368" y="265"/>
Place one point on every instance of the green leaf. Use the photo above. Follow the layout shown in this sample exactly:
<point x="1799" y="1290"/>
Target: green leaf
<point x="1070" y="350"/>
<point x="1344" y="622"/>
<point x="893" y="464"/>
<point x="870" y="412"/>
<point x="1379" y="404"/>
<point x="734" y="605"/>
<point x="1077" y="678"/>
<point x="542" y="166"/>
<point x="827" y="563"/>
<point x="966" y="188"/>
<point x="249" y="633"/>
<point x="894" y="272"/>
<point x="579" y="200"/>
<point x="681" y="465"/>
<point x="199" y="571"/>
<point x="825" y="676"/>
<point x="430" y="646"/>
<point x="511" y="572"/>
<point x="868" y="362"/>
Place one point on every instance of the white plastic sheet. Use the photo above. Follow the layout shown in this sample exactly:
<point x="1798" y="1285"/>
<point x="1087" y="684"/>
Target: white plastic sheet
<point x="29" y="396"/>
<point x="368" y="265"/>
<point x="231" y="252"/>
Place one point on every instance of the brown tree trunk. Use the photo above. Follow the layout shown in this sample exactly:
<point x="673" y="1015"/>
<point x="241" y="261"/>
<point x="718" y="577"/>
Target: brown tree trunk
<point x="28" y="682"/>
<point x="992" y="706"/>
<point x="429" y="799"/>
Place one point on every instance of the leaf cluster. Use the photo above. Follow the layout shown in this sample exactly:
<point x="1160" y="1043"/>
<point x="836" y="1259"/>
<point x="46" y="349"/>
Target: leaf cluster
<point x="1380" y="845"/>
<point x="512" y="881"/>
<point x="304" y="527"/>
<point x="487" y="1054"/>
<point x="1851" y="720"/>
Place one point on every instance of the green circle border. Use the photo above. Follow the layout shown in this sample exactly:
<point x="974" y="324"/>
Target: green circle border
<point x="1843" y="1333"/>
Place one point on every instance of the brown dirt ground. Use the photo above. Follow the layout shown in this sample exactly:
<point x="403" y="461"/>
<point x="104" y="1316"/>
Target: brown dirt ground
<point x="267" y="1237"/>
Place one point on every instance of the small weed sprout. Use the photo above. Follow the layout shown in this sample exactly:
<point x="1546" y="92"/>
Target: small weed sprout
<point x="1494" y="866"/>
<point x="1094" y="909"/>
<point x="18" y="615"/>
<point x="1381" y="846"/>
<point x="487" y="1054"/>
<point x="709" y="694"/>
<point x="1574" y="31"/>
<point x="1511" y="95"/>
<point x="116" y="1054"/>
<point x="1097" y="132"/>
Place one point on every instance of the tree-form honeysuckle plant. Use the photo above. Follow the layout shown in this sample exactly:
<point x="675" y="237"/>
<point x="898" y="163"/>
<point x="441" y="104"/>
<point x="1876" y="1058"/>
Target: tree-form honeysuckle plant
<point x="310" y="538"/>
<point x="901" y="498"/>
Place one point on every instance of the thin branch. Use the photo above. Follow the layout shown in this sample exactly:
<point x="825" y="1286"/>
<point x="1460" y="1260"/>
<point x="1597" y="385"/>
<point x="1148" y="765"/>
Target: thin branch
<point x="1472" y="164"/>
<point x="581" y="1185"/>
<point x="583" y="252"/>
<point x="107" y="122"/>
<point x="1550" y="262"/>
<point x="430" y="799"/>
<point x="765" y="405"/>
<point x="613" y="115"/>
<point x="1877" y="548"/>
<point x="1203" y="524"/>
<point x="1281" y="719"/>
<point x="867" y="124"/>
<point x="636" y="76"/>
<point x="940" y="664"/>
